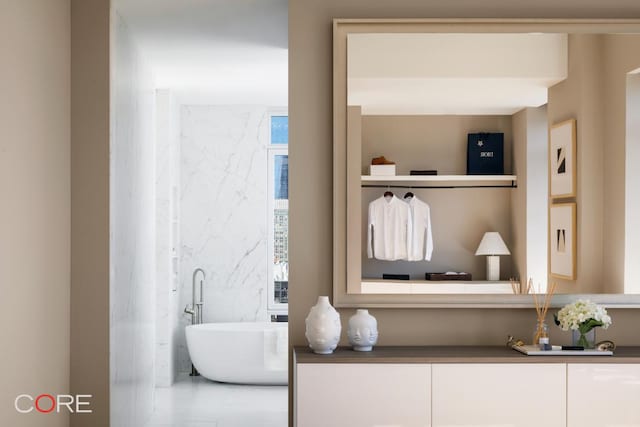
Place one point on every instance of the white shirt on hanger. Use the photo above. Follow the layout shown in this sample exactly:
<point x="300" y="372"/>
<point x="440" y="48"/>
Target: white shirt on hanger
<point x="421" y="239"/>
<point x="389" y="229"/>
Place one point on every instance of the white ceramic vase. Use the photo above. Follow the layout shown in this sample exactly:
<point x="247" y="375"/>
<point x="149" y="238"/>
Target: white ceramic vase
<point x="323" y="327"/>
<point x="362" y="331"/>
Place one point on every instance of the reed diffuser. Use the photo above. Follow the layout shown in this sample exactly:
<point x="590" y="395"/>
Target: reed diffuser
<point x="542" y="306"/>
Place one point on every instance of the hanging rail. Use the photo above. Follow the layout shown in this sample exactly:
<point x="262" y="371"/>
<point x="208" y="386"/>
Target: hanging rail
<point x="512" y="185"/>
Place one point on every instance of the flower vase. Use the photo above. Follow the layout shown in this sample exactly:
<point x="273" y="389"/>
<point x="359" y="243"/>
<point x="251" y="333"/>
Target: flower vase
<point x="584" y="339"/>
<point x="323" y="327"/>
<point x="362" y="331"/>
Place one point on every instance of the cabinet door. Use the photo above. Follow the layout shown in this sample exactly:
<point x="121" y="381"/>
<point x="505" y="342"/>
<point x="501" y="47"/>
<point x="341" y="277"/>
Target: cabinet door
<point x="603" y="395"/>
<point x="515" y="394"/>
<point x="362" y="395"/>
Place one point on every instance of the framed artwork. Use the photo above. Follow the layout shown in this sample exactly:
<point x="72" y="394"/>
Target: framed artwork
<point x="562" y="240"/>
<point x="562" y="159"/>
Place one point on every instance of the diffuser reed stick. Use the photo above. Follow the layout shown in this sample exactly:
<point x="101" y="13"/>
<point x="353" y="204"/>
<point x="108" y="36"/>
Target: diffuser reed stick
<point x="542" y="307"/>
<point x="512" y="281"/>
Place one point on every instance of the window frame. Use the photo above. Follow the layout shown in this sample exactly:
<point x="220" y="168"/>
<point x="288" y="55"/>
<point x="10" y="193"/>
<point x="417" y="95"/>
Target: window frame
<point x="273" y="150"/>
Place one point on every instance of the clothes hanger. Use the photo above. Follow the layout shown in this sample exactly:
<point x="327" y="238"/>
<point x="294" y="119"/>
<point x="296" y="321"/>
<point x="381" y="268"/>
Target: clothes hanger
<point x="409" y="194"/>
<point x="388" y="193"/>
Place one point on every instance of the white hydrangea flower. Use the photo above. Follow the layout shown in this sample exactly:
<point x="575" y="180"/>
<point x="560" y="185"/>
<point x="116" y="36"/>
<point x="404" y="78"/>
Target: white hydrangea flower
<point x="573" y="316"/>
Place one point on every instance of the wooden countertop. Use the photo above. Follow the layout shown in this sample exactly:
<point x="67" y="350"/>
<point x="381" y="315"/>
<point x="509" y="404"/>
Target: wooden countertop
<point x="454" y="354"/>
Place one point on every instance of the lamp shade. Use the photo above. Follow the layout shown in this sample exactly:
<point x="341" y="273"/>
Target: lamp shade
<point x="492" y="244"/>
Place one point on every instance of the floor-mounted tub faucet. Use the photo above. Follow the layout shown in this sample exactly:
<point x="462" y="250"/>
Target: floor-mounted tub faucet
<point x="195" y="310"/>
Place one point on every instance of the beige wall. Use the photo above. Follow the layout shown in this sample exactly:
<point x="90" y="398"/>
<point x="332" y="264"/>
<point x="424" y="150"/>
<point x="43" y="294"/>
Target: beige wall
<point x="90" y="207"/>
<point x="34" y="213"/>
<point x="428" y="142"/>
<point x="439" y="142"/>
<point x="580" y="97"/>
<point x="310" y="112"/>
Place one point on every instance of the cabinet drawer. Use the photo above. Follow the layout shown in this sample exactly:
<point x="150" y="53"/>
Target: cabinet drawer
<point x="362" y="395"/>
<point x="603" y="395"/>
<point x="524" y="395"/>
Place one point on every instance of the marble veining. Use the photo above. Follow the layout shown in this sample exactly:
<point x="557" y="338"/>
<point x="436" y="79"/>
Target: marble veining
<point x="166" y="180"/>
<point x="223" y="220"/>
<point x="132" y="240"/>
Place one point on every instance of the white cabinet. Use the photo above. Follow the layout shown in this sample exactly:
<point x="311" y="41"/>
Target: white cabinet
<point x="603" y="395"/>
<point x="514" y="394"/>
<point x="467" y="394"/>
<point x="363" y="395"/>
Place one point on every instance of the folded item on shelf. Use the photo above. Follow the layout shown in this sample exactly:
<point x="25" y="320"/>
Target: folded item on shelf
<point x="449" y="275"/>
<point x="395" y="276"/>
<point x="424" y="172"/>
<point x="382" y="170"/>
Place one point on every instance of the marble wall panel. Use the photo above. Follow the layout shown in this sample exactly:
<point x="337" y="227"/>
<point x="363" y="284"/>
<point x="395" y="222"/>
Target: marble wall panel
<point x="223" y="213"/>
<point x="167" y="243"/>
<point x="132" y="224"/>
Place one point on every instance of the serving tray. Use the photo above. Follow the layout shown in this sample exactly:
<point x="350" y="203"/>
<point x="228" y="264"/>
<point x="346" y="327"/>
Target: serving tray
<point x="533" y="350"/>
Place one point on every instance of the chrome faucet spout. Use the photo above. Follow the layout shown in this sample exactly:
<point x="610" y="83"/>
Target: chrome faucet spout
<point x="197" y="304"/>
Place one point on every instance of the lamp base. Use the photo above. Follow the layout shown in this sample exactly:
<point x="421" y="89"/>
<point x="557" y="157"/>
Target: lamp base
<point x="493" y="268"/>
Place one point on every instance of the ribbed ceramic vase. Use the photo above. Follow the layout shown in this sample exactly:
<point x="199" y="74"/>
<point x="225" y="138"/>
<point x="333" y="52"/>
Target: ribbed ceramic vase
<point x="362" y="331"/>
<point x="323" y="327"/>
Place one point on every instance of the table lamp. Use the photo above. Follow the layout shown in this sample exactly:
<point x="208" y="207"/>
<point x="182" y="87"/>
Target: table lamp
<point x="492" y="245"/>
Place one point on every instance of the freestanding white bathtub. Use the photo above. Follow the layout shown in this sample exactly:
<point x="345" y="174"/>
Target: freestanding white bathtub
<point x="243" y="353"/>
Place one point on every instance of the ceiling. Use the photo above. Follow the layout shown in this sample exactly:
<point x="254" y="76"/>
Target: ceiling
<point x="214" y="51"/>
<point x="486" y="74"/>
<point x="235" y="52"/>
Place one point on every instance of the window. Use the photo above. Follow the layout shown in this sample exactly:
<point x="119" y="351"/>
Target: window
<point x="279" y="130"/>
<point x="278" y="188"/>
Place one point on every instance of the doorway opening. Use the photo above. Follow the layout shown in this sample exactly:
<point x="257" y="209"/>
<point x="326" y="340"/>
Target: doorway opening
<point x="199" y="213"/>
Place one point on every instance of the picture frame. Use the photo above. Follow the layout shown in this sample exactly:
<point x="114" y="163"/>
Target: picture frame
<point x="562" y="159"/>
<point x="562" y="240"/>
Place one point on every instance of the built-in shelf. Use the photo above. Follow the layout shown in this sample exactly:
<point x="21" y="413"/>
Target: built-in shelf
<point x="451" y="180"/>
<point x="380" y="286"/>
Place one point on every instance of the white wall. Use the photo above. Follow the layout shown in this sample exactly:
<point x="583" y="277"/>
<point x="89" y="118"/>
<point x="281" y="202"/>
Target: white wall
<point x="167" y="237"/>
<point x="223" y="213"/>
<point x="35" y="205"/>
<point x="529" y="201"/>
<point x="132" y="221"/>
<point x="537" y="195"/>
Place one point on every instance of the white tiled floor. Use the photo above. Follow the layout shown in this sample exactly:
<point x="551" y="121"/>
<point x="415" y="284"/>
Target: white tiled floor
<point x="198" y="402"/>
